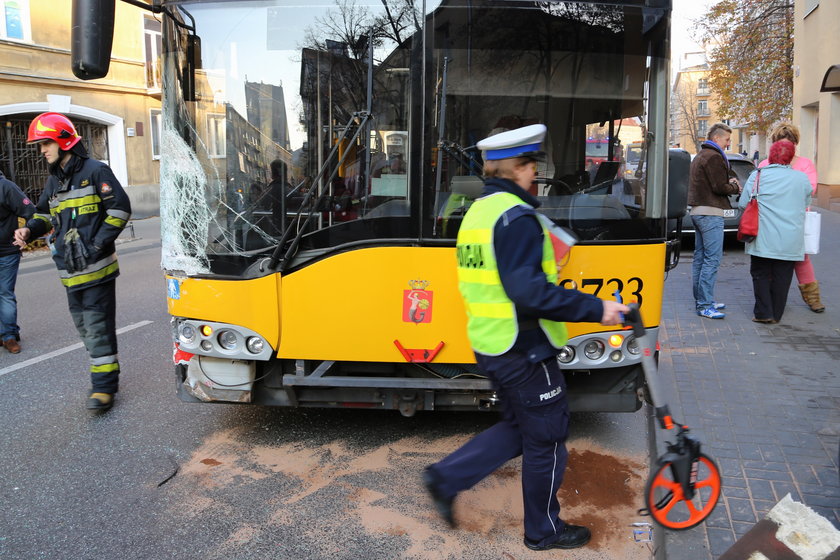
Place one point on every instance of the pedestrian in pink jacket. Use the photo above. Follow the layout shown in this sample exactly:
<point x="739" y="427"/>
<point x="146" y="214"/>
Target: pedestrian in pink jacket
<point x="808" y="285"/>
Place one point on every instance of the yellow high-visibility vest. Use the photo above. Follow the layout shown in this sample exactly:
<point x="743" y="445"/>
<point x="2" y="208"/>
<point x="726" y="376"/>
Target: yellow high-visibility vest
<point x="492" y="325"/>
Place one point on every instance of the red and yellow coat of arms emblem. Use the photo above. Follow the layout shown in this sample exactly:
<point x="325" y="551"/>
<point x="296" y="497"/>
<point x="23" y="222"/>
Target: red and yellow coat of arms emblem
<point x="417" y="302"/>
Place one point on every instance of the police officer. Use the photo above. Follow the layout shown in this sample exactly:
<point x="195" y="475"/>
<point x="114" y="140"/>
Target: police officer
<point x="86" y="208"/>
<point x="507" y="274"/>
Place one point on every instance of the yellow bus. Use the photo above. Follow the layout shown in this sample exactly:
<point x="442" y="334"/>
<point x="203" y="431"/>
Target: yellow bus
<point x="317" y="160"/>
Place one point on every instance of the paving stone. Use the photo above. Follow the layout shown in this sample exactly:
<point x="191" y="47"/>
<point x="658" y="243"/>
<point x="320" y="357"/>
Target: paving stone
<point x="741" y="529"/>
<point x="767" y="475"/>
<point x="741" y="510"/>
<point x="720" y="540"/>
<point x="767" y="466"/>
<point x="762" y="507"/>
<point x="821" y="489"/>
<point x="734" y="481"/>
<point x="736" y="493"/>
<point x="761" y="489"/>
<point x="784" y="488"/>
<point x="804" y="474"/>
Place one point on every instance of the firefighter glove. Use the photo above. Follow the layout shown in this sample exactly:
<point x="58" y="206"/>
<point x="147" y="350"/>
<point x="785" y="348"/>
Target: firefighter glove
<point x="76" y="253"/>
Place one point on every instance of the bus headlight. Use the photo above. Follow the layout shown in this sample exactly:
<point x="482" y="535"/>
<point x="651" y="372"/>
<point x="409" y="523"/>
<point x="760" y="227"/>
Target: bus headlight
<point x="633" y="346"/>
<point x="593" y="349"/>
<point x="227" y="340"/>
<point x="566" y="355"/>
<point x="187" y="333"/>
<point x="254" y="344"/>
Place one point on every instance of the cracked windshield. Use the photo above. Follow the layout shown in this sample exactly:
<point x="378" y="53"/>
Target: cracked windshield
<point x="292" y="129"/>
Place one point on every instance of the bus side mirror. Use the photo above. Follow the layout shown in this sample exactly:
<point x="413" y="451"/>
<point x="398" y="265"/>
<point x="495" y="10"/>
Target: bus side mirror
<point x="192" y="63"/>
<point x="92" y="38"/>
<point x="679" y="165"/>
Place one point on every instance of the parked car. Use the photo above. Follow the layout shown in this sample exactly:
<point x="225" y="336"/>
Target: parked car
<point x="742" y="166"/>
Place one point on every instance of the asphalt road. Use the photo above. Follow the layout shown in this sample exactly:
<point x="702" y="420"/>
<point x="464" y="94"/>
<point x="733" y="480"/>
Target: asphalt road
<point x="158" y="478"/>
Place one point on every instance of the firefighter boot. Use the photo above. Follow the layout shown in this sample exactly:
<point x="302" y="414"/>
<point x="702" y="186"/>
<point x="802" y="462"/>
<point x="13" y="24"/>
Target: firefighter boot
<point x="811" y="295"/>
<point x="100" y="401"/>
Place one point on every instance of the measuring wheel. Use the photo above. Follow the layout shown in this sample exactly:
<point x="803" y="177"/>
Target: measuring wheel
<point x="681" y="506"/>
<point x="684" y="488"/>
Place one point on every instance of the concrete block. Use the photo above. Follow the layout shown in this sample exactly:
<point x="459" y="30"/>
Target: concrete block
<point x="790" y="531"/>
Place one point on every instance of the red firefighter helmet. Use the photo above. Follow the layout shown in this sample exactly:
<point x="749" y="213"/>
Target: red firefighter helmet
<point x="53" y="126"/>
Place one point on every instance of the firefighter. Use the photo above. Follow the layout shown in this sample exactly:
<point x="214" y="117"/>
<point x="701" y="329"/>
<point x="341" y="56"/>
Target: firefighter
<point x="507" y="274"/>
<point x="86" y="208"/>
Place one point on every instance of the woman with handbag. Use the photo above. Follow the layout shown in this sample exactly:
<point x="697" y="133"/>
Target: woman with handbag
<point x="804" y="269"/>
<point x="783" y="194"/>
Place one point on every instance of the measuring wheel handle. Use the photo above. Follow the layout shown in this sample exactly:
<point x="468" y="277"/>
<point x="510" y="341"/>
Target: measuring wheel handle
<point x="633" y="319"/>
<point x="684" y="488"/>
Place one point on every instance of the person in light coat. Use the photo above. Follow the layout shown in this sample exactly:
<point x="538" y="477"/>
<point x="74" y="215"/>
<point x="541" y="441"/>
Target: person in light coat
<point x="809" y="287"/>
<point x="783" y="195"/>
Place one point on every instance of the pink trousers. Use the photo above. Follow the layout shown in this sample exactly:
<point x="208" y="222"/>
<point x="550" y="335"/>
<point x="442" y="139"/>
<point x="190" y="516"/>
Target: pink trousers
<point x="804" y="271"/>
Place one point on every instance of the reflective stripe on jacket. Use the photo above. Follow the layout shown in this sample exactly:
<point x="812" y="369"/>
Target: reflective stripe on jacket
<point x="492" y="324"/>
<point x="89" y="198"/>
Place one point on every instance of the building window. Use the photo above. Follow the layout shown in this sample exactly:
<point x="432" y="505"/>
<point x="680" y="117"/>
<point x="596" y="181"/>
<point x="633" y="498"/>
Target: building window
<point x="153" y="43"/>
<point x="703" y="86"/>
<point x="216" y="135"/>
<point x="14" y="20"/>
<point x="156" y="128"/>
<point x="702" y="128"/>
<point x="703" y="108"/>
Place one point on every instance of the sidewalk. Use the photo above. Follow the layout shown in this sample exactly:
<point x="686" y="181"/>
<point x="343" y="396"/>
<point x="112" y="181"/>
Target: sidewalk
<point x="763" y="399"/>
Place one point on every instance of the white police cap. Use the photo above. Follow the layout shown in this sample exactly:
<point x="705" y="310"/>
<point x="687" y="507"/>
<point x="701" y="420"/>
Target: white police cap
<point x="519" y="142"/>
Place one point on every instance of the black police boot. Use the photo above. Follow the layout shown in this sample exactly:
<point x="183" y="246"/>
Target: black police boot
<point x="100" y="401"/>
<point x="573" y="536"/>
<point x="442" y="503"/>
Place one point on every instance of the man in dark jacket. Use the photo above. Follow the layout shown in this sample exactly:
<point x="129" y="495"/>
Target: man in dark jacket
<point x="13" y="204"/>
<point x="711" y="181"/>
<point x="86" y="208"/>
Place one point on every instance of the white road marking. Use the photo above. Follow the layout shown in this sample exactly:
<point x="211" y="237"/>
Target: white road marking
<point x="60" y="351"/>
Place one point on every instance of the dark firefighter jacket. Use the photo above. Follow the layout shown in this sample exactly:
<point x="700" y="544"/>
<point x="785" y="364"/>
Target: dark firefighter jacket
<point x="13" y="204"/>
<point x="84" y="195"/>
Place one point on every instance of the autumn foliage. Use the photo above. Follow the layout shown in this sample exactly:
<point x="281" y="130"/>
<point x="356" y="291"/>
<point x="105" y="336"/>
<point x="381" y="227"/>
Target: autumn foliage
<point x="751" y="58"/>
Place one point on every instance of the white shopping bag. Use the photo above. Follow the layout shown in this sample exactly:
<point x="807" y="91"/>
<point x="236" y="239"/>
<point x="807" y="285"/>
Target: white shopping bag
<point x="812" y="233"/>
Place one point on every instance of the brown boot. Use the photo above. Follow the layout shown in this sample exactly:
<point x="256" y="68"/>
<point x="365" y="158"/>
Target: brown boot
<point x="811" y="295"/>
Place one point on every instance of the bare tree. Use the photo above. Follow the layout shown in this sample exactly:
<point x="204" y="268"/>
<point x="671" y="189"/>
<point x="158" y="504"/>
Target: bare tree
<point x="685" y="109"/>
<point x="348" y="24"/>
<point x="354" y="25"/>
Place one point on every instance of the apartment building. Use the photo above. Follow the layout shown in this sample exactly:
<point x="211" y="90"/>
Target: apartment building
<point x="118" y="116"/>
<point x="693" y="108"/>
<point x="816" y="92"/>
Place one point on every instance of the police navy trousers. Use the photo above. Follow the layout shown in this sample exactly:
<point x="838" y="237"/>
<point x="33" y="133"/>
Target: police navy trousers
<point x="94" y="312"/>
<point x="535" y="422"/>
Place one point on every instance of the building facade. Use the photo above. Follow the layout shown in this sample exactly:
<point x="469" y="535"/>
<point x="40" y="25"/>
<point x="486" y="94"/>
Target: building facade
<point x="118" y="116"/>
<point x="693" y="108"/>
<point x="816" y="56"/>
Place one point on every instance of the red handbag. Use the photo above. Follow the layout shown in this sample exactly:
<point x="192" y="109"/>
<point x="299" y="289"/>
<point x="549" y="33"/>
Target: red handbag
<point x="748" y="226"/>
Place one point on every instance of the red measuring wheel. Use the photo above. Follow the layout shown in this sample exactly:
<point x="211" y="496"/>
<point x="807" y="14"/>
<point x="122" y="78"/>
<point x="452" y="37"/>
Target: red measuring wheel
<point x="679" y="506"/>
